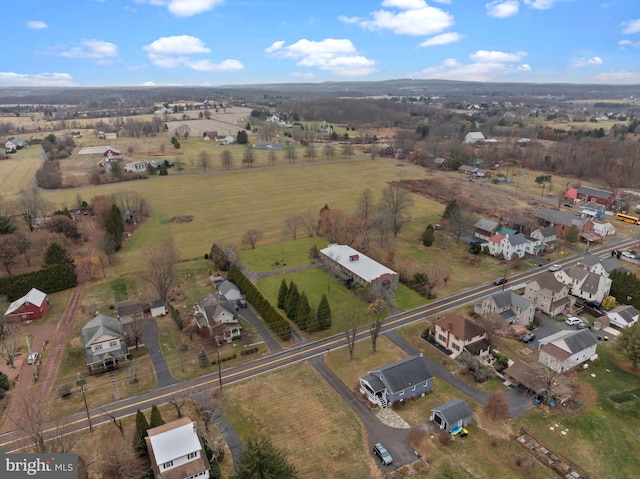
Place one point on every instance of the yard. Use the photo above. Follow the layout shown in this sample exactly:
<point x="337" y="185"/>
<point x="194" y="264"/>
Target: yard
<point x="18" y="172"/>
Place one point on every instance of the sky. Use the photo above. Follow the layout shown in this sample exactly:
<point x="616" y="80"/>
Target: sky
<point x="90" y="43"/>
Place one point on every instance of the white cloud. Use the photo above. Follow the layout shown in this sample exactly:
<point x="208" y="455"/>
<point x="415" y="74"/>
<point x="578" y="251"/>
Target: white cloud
<point x="36" y="25"/>
<point x="184" y="8"/>
<point x="93" y="49"/>
<point x="172" y="52"/>
<point x="492" y="56"/>
<point x="632" y="26"/>
<point x="349" y="20"/>
<point x="38" y="79"/>
<point x="588" y="62"/>
<point x="486" y="66"/>
<point x="628" y="43"/>
<point x="338" y="56"/>
<point x="540" y="4"/>
<point x="623" y="77"/>
<point x="414" y="18"/>
<point x="442" y="39"/>
<point x="502" y="8"/>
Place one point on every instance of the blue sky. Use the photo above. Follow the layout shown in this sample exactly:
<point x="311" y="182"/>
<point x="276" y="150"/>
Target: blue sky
<point x="223" y="42"/>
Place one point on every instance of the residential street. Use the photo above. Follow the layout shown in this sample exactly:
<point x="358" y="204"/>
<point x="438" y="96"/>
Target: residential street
<point x="312" y="351"/>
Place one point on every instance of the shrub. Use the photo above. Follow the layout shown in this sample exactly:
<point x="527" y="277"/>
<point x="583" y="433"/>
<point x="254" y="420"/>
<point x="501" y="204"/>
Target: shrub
<point x="65" y="391"/>
<point x="246" y="352"/>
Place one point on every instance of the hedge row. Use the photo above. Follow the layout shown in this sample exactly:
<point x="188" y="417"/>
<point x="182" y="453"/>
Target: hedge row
<point x="276" y="323"/>
<point x="48" y="280"/>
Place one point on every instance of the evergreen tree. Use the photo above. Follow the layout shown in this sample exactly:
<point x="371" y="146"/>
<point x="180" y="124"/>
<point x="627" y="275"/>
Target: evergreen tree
<point x="242" y="138"/>
<point x="56" y="254"/>
<point x="324" y="313"/>
<point x="156" y="418"/>
<point x="451" y="209"/>
<point x="282" y="294"/>
<point x="313" y="324"/>
<point x="262" y="460"/>
<point x="6" y="226"/>
<point x="139" y="445"/>
<point x="203" y="360"/>
<point x="428" y="236"/>
<point x="115" y="226"/>
<point x="291" y="305"/>
<point x="302" y="315"/>
<point x="573" y="234"/>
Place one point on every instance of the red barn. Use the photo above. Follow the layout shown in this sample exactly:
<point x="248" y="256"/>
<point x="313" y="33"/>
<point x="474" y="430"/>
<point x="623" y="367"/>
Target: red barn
<point x="31" y="306"/>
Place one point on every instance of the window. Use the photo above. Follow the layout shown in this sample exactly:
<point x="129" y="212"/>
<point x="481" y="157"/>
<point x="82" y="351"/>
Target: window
<point x="167" y="465"/>
<point x="192" y="455"/>
<point x="97" y="347"/>
<point x="113" y="343"/>
<point x="455" y="346"/>
<point x="442" y="338"/>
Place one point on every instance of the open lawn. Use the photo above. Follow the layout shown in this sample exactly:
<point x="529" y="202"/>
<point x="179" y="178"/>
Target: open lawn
<point x="601" y="437"/>
<point x="17" y="172"/>
<point x="319" y="433"/>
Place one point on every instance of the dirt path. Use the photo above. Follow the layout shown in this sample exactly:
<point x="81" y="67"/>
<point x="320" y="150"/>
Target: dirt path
<point x="55" y="337"/>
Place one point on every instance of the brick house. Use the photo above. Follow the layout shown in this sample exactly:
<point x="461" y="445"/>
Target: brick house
<point x="456" y="334"/>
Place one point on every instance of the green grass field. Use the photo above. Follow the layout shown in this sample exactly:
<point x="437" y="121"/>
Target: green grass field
<point x="18" y="171"/>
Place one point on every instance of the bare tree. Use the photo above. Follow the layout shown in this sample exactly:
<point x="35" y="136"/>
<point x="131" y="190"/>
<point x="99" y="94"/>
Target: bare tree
<point x="161" y="269"/>
<point x="549" y="380"/>
<point x="377" y="310"/>
<point x="365" y="205"/>
<point x="395" y="203"/>
<point x="116" y="422"/>
<point x="227" y="159"/>
<point x="251" y="237"/>
<point x="273" y="157"/>
<point x="352" y="320"/>
<point x="117" y="460"/>
<point x="247" y="157"/>
<point x="178" y="401"/>
<point x="309" y="222"/>
<point x="497" y="407"/>
<point x="291" y="225"/>
<point x="493" y="323"/>
<point x="292" y="153"/>
<point x="204" y="159"/>
<point x="10" y="343"/>
<point x="31" y="205"/>
<point x="8" y="252"/>
<point x="183" y="131"/>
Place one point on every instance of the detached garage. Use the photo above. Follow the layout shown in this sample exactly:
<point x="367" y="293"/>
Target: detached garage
<point x="452" y="414"/>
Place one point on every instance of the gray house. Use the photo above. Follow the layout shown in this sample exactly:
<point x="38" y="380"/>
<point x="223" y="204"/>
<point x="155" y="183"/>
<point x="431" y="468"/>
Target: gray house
<point x="104" y="343"/>
<point x="396" y="382"/>
<point x="451" y="414"/>
<point x="229" y="291"/>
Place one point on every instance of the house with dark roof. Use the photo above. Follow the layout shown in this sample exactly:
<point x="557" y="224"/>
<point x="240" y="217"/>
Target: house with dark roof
<point x="397" y="382"/>
<point x="562" y="222"/>
<point x="589" y="194"/>
<point x="452" y="414"/>
<point x="548" y="237"/>
<point x="104" y="343"/>
<point x="597" y="265"/>
<point x="510" y="306"/>
<point x="456" y="334"/>
<point x="585" y="284"/>
<point x="623" y="316"/>
<point x="32" y="305"/>
<point x="484" y="229"/>
<point x="513" y="245"/>
<point x="566" y="349"/>
<point x="230" y="292"/>
<point x="130" y="311"/>
<point x="218" y="315"/>
<point x="549" y="295"/>
<point x="531" y="376"/>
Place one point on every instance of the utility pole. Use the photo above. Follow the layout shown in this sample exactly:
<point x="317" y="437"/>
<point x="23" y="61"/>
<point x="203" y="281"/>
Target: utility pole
<point x="219" y="366"/>
<point x="80" y="382"/>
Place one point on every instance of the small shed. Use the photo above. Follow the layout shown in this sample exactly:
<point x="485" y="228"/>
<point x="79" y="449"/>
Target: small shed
<point x="451" y="414"/>
<point x="157" y="308"/>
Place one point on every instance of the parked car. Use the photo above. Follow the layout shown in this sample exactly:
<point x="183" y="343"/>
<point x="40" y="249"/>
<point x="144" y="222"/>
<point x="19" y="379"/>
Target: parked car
<point x="584" y="325"/>
<point x="592" y="308"/>
<point x="555" y="267"/>
<point x="527" y="338"/>
<point x="380" y="451"/>
<point x="33" y="358"/>
<point x="629" y="255"/>
<point x="573" y="321"/>
<point x="499" y="281"/>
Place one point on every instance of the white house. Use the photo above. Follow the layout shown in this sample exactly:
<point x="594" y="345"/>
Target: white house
<point x="566" y="349"/>
<point x="623" y="316"/>
<point x="513" y="245"/>
<point x="175" y="451"/>
<point x="604" y="229"/>
<point x="584" y="283"/>
<point x="474" y="137"/>
<point x="136" y="167"/>
<point x="548" y="294"/>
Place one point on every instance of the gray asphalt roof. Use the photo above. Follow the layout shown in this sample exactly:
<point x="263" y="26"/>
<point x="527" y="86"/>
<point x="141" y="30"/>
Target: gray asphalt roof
<point x="454" y="410"/>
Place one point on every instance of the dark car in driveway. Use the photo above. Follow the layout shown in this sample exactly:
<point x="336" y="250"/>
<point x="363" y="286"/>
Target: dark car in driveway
<point x="527" y="338"/>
